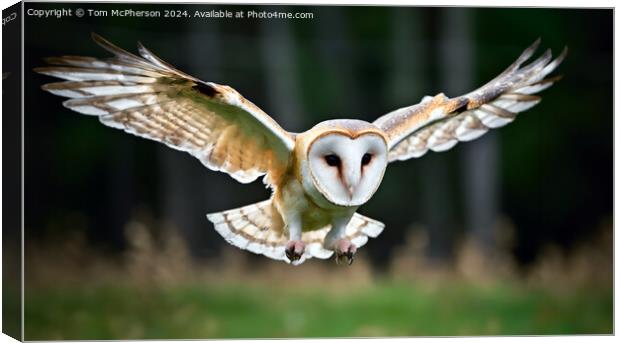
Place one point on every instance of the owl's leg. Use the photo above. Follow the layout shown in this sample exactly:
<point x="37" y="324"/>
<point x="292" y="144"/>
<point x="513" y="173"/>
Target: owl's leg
<point x="336" y="241"/>
<point x="295" y="247"/>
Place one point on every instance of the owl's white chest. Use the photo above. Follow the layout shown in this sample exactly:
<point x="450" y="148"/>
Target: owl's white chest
<point x="294" y="203"/>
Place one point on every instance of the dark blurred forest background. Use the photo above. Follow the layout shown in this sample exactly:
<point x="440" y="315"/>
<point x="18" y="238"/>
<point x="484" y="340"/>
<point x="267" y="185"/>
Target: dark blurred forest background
<point x="509" y="234"/>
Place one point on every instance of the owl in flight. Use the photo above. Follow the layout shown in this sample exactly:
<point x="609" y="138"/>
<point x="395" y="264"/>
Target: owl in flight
<point x="320" y="177"/>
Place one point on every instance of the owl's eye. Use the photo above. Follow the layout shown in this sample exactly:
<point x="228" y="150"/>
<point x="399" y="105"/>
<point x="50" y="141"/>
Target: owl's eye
<point x="366" y="159"/>
<point x="332" y="160"/>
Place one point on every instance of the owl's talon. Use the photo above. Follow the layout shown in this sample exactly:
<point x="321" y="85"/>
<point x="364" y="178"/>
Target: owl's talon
<point x="345" y="251"/>
<point x="339" y="259"/>
<point x="294" y="250"/>
<point x="350" y="258"/>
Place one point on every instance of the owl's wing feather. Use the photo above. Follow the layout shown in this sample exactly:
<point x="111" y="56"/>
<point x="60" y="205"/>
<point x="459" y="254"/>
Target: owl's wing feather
<point x="259" y="228"/>
<point x="438" y="123"/>
<point x="149" y="98"/>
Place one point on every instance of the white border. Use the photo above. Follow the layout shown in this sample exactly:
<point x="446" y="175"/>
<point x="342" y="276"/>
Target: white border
<point x="468" y="3"/>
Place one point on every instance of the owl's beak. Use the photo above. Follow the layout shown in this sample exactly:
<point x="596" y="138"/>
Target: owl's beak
<point x="351" y="180"/>
<point x="350" y="189"/>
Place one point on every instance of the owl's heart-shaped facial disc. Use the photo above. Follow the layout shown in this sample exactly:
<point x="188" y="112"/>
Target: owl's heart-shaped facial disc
<point x="347" y="170"/>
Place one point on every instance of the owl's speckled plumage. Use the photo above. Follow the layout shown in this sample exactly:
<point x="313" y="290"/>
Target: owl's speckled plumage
<point x="320" y="177"/>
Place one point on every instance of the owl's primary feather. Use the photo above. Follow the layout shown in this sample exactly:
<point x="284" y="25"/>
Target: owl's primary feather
<point x="149" y="98"/>
<point x="319" y="177"/>
<point x="439" y="123"/>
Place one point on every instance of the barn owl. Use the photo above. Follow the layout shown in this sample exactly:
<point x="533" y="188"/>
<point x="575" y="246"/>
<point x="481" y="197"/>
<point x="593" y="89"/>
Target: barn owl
<point x="318" y="178"/>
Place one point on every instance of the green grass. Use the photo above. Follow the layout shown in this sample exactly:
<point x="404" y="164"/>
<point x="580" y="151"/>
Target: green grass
<point x="242" y="311"/>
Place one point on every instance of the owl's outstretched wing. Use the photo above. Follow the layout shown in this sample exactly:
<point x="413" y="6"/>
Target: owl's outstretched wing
<point x="438" y="123"/>
<point x="147" y="97"/>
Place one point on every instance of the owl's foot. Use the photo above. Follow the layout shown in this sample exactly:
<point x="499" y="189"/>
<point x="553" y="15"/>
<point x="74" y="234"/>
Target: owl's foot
<point x="345" y="250"/>
<point x="294" y="250"/>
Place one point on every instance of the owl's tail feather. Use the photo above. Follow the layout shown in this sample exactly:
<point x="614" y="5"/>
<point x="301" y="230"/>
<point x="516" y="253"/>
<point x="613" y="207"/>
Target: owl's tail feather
<point x="259" y="228"/>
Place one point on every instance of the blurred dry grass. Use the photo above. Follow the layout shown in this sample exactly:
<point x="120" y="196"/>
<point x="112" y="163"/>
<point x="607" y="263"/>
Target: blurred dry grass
<point x="158" y="257"/>
<point x="155" y="290"/>
<point x="589" y="264"/>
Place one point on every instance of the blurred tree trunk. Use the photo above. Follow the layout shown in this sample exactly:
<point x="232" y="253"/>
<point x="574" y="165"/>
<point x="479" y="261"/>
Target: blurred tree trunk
<point x="438" y="178"/>
<point x="277" y="49"/>
<point x="334" y="51"/>
<point x="480" y="162"/>
<point x="409" y="74"/>
<point x="188" y="187"/>
<point x="455" y="52"/>
<point x="407" y="83"/>
<point x="479" y="159"/>
<point x="119" y="193"/>
<point x="438" y="206"/>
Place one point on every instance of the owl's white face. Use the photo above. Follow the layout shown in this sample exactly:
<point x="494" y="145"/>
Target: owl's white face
<point x="347" y="171"/>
